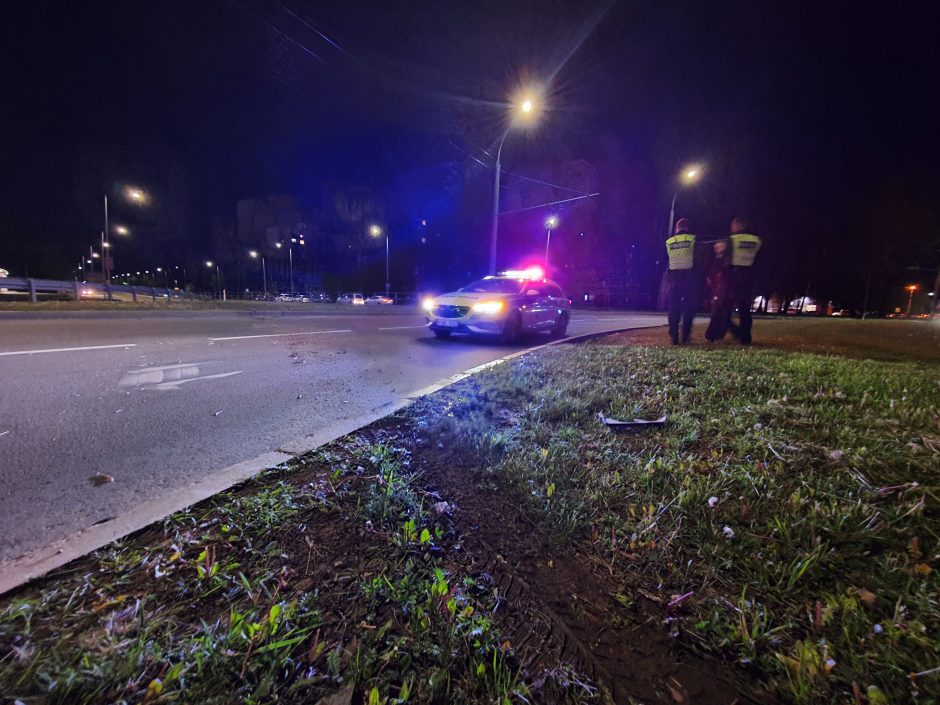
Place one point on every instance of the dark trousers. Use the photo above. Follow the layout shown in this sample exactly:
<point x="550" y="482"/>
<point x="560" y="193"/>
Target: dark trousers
<point x="683" y="302"/>
<point x="720" y="320"/>
<point x="743" y="287"/>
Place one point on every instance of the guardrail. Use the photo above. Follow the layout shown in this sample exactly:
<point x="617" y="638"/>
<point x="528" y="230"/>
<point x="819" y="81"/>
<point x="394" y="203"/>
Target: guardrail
<point x="87" y="290"/>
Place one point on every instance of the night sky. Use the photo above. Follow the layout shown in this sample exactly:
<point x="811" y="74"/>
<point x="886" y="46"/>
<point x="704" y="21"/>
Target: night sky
<point x="817" y="120"/>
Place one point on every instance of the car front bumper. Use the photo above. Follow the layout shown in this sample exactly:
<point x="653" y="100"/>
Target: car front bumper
<point x="468" y="325"/>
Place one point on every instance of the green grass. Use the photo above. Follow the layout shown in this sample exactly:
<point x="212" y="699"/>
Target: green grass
<point x="794" y="495"/>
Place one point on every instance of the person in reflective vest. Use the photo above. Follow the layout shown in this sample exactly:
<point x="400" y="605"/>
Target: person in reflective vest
<point x="683" y="282"/>
<point x="744" y="249"/>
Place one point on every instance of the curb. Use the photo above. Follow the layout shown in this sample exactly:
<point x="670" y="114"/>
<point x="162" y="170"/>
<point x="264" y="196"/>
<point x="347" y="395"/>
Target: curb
<point x="38" y="562"/>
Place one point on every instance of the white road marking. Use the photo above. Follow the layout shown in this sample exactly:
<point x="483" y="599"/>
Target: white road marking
<point x="280" y="335"/>
<point x="402" y="327"/>
<point x="143" y="370"/>
<point x="176" y="383"/>
<point x="55" y="350"/>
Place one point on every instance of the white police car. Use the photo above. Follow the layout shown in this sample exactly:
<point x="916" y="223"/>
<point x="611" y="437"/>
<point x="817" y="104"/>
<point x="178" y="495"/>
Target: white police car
<point x="505" y="305"/>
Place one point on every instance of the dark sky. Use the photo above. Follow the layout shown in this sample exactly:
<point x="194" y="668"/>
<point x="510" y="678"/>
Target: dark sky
<point x="819" y="120"/>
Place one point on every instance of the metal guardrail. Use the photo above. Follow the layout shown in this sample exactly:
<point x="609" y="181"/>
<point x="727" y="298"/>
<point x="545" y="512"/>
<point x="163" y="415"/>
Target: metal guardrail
<point x="87" y="290"/>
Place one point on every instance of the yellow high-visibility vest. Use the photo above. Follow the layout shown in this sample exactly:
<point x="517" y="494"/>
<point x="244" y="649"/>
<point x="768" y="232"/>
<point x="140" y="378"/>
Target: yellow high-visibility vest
<point x="744" y="249"/>
<point x="681" y="251"/>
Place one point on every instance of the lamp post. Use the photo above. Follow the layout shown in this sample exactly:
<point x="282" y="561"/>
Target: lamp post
<point x="523" y="112"/>
<point x="911" y="288"/>
<point x="550" y="225"/>
<point x="689" y="176"/>
<point x="264" y="276"/>
<point x="376" y="231"/>
<point x="218" y="275"/>
<point x="133" y="194"/>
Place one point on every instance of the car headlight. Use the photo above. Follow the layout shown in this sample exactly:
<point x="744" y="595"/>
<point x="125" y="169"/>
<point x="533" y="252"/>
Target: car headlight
<point x="427" y="304"/>
<point x="488" y="307"/>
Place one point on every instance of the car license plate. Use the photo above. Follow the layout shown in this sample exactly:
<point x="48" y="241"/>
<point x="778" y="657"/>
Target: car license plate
<point x="446" y="323"/>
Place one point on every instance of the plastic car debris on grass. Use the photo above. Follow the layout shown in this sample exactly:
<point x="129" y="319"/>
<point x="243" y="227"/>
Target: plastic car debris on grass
<point x="633" y="425"/>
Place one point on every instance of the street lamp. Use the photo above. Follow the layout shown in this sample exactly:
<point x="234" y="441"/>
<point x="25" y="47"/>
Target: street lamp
<point x="550" y="224"/>
<point x="523" y="111"/>
<point x="133" y="194"/>
<point x="690" y="175"/>
<point x="911" y="288"/>
<point x="218" y="275"/>
<point x="264" y="276"/>
<point x="376" y="231"/>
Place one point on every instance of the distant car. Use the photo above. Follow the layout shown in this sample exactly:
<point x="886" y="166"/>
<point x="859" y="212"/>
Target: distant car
<point x="844" y="313"/>
<point x="354" y="299"/>
<point x="379" y="301"/>
<point x="504" y="306"/>
<point x="320" y="298"/>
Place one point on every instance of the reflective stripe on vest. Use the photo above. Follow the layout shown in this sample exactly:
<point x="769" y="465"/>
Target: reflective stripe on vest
<point x="681" y="250"/>
<point x="744" y="249"/>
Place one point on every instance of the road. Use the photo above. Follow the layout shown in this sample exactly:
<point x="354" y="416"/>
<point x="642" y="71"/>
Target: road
<point x="156" y="401"/>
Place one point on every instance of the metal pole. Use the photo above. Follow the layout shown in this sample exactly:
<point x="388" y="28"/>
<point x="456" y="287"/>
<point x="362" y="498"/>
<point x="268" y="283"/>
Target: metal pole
<point x="548" y="240"/>
<point x="910" y="300"/>
<point x="218" y="279"/>
<point x="865" y="304"/>
<point x="105" y="268"/>
<point x="264" y="276"/>
<point x="494" y="227"/>
<point x="672" y="214"/>
<point x="290" y="256"/>
<point x="387" y="278"/>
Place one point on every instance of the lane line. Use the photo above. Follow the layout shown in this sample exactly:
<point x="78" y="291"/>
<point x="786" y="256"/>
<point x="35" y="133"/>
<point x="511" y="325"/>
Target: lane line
<point x="174" y="384"/>
<point x="402" y="327"/>
<point x="57" y="350"/>
<point x="281" y="335"/>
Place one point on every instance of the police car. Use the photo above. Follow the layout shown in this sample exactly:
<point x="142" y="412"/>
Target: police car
<point x="504" y="306"/>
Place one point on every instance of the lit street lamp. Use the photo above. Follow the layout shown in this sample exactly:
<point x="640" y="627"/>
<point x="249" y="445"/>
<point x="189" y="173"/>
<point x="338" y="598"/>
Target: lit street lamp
<point x="264" y="276"/>
<point x="134" y="195"/>
<point x="376" y="231"/>
<point x="290" y="257"/>
<point x="218" y="275"/>
<point x="550" y="225"/>
<point x="524" y="112"/>
<point x="911" y="288"/>
<point x="689" y="176"/>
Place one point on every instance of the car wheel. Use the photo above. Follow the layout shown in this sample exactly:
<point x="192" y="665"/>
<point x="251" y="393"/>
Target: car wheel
<point x="561" y="325"/>
<point x="512" y="327"/>
<point x="442" y="334"/>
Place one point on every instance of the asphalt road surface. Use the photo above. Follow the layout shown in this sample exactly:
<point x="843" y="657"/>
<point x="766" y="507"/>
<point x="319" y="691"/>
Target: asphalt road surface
<point x="158" y="400"/>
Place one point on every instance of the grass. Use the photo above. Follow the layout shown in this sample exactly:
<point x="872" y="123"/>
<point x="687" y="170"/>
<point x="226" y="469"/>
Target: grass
<point x="783" y="526"/>
<point x="789" y="508"/>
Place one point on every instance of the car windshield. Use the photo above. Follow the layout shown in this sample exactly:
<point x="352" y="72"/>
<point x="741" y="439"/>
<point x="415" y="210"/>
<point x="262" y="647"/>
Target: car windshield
<point x="494" y="286"/>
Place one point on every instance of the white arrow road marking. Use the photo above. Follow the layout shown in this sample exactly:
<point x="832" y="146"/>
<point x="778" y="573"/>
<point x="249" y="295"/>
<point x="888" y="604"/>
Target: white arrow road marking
<point x="163" y="386"/>
<point x="280" y="335"/>
<point x="55" y="350"/>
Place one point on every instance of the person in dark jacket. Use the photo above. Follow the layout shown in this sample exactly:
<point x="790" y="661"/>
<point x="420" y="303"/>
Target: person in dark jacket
<point x="720" y="290"/>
